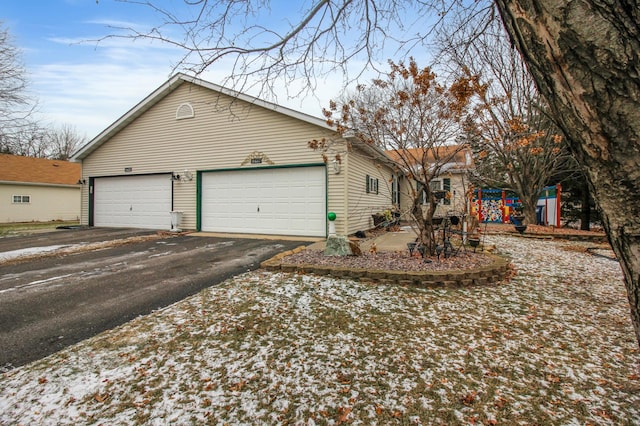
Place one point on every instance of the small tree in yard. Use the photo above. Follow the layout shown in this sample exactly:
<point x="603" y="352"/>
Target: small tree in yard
<point x="416" y="118"/>
<point x="517" y="155"/>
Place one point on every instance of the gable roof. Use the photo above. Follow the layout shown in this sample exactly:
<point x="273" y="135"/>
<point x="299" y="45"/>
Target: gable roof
<point x="15" y="168"/>
<point x="169" y="86"/>
<point x="458" y="156"/>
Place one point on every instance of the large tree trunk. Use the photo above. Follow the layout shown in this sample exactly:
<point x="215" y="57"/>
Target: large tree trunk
<point x="423" y="218"/>
<point x="529" y="204"/>
<point x="584" y="57"/>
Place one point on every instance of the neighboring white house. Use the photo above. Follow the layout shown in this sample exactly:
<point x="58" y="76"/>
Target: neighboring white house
<point x="40" y="190"/>
<point x="228" y="162"/>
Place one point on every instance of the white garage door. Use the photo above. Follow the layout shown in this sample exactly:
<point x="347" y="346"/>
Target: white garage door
<point x="132" y="201"/>
<point x="280" y="201"/>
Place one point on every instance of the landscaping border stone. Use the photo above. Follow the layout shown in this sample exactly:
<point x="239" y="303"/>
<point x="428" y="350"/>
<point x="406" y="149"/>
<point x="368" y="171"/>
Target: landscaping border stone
<point x="496" y="271"/>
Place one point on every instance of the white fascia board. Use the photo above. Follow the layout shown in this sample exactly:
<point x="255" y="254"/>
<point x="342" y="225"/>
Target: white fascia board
<point x="170" y="86"/>
<point x="259" y="102"/>
<point x="128" y="117"/>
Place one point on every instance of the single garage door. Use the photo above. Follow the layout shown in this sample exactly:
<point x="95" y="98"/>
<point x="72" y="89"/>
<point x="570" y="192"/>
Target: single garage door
<point x="279" y="201"/>
<point x="133" y="201"/>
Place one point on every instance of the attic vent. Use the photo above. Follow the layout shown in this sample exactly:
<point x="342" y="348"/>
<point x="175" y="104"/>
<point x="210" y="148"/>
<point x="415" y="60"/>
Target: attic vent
<point x="184" y="111"/>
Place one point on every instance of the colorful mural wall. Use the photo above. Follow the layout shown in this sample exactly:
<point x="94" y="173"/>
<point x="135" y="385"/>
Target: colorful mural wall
<point x="498" y="206"/>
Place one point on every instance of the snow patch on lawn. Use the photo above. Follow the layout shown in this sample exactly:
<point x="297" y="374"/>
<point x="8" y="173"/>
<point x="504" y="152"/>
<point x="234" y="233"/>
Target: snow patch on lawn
<point x="552" y="346"/>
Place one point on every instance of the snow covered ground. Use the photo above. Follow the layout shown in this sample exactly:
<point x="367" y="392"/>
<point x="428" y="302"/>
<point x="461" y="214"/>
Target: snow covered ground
<point x="30" y="252"/>
<point x="552" y="346"/>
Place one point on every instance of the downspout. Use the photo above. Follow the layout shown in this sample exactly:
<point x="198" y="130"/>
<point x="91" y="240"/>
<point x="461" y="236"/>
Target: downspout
<point x="345" y="191"/>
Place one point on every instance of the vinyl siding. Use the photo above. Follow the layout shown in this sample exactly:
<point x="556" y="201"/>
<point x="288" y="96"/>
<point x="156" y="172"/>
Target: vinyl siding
<point x="223" y="134"/>
<point x="337" y="202"/>
<point x="47" y="203"/>
<point x="457" y="201"/>
<point x="361" y="205"/>
<point x="459" y="186"/>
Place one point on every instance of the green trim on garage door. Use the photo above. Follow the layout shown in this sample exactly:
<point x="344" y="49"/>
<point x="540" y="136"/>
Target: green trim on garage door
<point x="288" y="228"/>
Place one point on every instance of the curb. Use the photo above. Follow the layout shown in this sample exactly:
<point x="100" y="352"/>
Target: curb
<point x="484" y="275"/>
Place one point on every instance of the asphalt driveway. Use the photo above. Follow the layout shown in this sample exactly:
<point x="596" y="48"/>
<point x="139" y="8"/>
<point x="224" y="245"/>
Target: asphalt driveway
<point x="55" y="299"/>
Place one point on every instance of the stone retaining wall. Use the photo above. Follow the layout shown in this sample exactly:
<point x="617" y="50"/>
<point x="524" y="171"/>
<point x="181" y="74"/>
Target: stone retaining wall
<point x="497" y="271"/>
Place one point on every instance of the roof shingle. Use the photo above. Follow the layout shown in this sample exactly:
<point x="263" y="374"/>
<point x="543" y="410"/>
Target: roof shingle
<point x="15" y="168"/>
<point x="445" y="153"/>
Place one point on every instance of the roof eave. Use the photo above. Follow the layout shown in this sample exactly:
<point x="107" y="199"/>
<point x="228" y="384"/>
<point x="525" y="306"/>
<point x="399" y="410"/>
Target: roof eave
<point x="169" y="86"/>
<point x="47" y="184"/>
<point x="128" y="117"/>
<point x="373" y="150"/>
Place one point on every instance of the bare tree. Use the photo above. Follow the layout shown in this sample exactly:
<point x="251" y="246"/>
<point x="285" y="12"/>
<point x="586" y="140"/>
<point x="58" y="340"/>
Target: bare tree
<point x="410" y="114"/>
<point x="62" y="141"/>
<point x="516" y="146"/>
<point x="29" y="140"/>
<point x="15" y="105"/>
<point x="325" y="36"/>
<point x="32" y="139"/>
<point x="583" y="56"/>
<point x="20" y="134"/>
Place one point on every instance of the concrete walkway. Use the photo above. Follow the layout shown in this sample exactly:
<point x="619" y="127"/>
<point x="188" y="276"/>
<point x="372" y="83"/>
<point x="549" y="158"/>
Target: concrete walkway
<point x="388" y="241"/>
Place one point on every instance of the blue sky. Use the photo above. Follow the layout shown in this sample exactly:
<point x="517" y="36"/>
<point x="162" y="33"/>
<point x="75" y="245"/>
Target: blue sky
<point x="76" y="81"/>
<point x="90" y="85"/>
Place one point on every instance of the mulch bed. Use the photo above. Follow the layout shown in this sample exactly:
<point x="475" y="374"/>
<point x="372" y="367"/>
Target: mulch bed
<point x="402" y="261"/>
<point x="398" y="261"/>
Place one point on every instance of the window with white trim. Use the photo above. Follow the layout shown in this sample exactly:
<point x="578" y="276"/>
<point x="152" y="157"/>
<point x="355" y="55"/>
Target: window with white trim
<point x="436" y="185"/>
<point x="395" y="190"/>
<point x="21" y="199"/>
<point x="371" y="185"/>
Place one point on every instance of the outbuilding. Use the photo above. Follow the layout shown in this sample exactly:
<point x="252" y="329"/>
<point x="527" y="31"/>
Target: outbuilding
<point x="227" y="162"/>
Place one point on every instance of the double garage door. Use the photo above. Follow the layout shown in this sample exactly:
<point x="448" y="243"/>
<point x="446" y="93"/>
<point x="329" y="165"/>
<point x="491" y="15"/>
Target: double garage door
<point x="279" y="201"/>
<point x="133" y="201"/>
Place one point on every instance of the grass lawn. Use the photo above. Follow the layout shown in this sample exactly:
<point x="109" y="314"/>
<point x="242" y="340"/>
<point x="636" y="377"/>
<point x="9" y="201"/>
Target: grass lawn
<point x="554" y="345"/>
<point x="22" y="228"/>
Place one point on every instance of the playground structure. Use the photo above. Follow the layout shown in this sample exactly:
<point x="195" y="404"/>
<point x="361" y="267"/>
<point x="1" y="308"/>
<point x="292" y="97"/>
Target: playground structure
<point x="499" y="206"/>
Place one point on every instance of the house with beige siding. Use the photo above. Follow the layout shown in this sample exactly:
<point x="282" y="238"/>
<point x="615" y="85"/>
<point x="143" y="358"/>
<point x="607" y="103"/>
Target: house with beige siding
<point x="38" y="190"/>
<point x="228" y="162"/>
<point x="454" y="161"/>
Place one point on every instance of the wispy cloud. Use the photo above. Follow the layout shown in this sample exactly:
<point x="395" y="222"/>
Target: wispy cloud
<point x="93" y="95"/>
<point x="96" y="82"/>
<point x="115" y="23"/>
